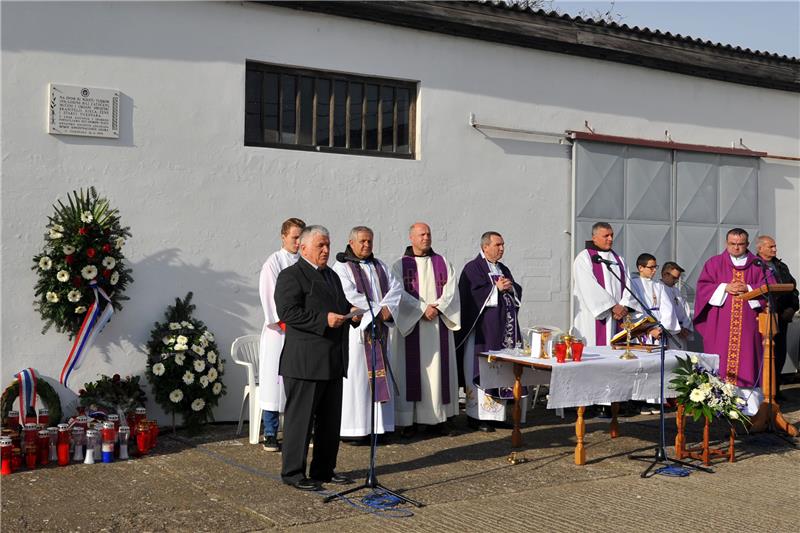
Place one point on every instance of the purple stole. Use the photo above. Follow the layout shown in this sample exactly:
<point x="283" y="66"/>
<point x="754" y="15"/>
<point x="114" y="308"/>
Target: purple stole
<point x="381" y="383"/>
<point x="413" y="366"/>
<point x="597" y="270"/>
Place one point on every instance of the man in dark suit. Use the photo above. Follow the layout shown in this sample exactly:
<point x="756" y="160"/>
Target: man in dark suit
<point x="310" y="301"/>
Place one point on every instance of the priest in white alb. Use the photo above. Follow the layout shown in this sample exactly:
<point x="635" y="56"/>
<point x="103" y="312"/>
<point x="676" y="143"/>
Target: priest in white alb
<point x="601" y="300"/>
<point x="270" y="388"/>
<point x="423" y="350"/>
<point x="366" y="277"/>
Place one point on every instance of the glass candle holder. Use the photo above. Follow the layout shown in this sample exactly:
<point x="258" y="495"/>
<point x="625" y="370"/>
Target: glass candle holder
<point x="78" y="439"/>
<point x="29" y="433"/>
<point x="44" y="416"/>
<point x="142" y="437"/>
<point x="577" y="350"/>
<point x="91" y="442"/>
<point x="109" y="437"/>
<point x="62" y="445"/>
<point x="16" y="458"/>
<point x="31" y="455"/>
<point x="82" y="421"/>
<point x="13" y="419"/>
<point x="6" y="450"/>
<point x="43" y="447"/>
<point x="52" y="433"/>
<point x="154" y="431"/>
<point x="124" y="435"/>
<point x="560" y="352"/>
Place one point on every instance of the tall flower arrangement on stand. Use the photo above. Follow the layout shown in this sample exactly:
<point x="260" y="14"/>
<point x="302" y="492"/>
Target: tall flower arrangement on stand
<point x="82" y="252"/>
<point x="184" y="366"/>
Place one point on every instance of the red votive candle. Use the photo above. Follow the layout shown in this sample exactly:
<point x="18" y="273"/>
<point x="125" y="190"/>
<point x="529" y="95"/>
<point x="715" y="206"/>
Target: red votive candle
<point x="5" y="455"/>
<point x="577" y="351"/>
<point x="561" y="352"/>
<point x="62" y="446"/>
<point x="43" y="444"/>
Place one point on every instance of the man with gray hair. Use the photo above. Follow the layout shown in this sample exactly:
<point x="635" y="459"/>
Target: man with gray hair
<point x="310" y="301"/>
<point x="368" y="282"/>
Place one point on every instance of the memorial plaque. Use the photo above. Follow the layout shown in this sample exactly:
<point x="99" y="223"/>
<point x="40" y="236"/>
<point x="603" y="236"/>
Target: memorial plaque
<point x="85" y="111"/>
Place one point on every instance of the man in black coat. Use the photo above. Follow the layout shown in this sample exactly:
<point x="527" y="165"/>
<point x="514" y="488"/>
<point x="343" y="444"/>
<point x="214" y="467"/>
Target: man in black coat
<point x="310" y="301"/>
<point x="786" y="303"/>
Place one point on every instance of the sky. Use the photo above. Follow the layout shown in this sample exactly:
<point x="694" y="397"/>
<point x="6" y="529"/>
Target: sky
<point x="767" y="26"/>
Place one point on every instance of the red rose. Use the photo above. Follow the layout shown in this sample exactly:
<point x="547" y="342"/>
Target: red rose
<point x="106" y="273"/>
<point x="115" y="378"/>
<point x="83" y="231"/>
<point x="76" y="281"/>
<point x="82" y="392"/>
<point x="69" y="259"/>
<point x="107" y="248"/>
<point x="91" y="252"/>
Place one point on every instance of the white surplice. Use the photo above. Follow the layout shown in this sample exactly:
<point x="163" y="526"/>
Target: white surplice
<point x="683" y="313"/>
<point x="593" y="301"/>
<point x="430" y="409"/>
<point x="270" y="386"/>
<point x="357" y="390"/>
<point x="655" y="296"/>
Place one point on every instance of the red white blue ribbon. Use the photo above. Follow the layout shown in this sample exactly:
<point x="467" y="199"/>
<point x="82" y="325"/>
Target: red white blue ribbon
<point x="27" y="393"/>
<point x="93" y="323"/>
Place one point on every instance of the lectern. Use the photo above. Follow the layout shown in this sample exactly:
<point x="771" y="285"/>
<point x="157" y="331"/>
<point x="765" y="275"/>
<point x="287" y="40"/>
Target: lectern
<point x="769" y="410"/>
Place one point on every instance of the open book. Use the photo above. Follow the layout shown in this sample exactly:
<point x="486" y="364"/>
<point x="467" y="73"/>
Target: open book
<point x="639" y="329"/>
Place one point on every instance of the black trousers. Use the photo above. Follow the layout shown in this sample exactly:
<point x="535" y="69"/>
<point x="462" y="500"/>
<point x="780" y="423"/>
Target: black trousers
<point x="311" y="404"/>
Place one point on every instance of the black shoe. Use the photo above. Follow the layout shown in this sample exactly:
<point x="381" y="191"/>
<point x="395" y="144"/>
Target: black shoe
<point x="340" y="479"/>
<point x="408" y="432"/>
<point x="445" y="429"/>
<point x="356" y="441"/>
<point x="479" y="425"/>
<point x="271" y="444"/>
<point x="306" y="484"/>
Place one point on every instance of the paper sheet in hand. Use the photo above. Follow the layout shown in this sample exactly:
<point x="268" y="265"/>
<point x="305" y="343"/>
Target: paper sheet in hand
<point x="357" y="312"/>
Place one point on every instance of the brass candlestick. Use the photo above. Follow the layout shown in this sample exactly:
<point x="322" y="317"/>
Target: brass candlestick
<point x="545" y="336"/>
<point x="567" y="338"/>
<point x="627" y="325"/>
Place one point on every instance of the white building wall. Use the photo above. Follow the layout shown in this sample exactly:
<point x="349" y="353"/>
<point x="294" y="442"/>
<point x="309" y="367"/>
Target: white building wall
<point x="205" y="210"/>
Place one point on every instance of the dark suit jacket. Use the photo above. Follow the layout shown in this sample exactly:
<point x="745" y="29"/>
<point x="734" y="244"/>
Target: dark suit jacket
<point x="303" y="300"/>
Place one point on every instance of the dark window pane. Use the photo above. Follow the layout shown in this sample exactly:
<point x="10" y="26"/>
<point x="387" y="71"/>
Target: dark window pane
<point x="356" y="115"/>
<point x="288" y="109"/>
<point x="387" y="119"/>
<point x="323" y="112"/>
<point x="403" y="120"/>
<point x="339" y="113"/>
<point x="306" y="110"/>
<point x="270" y="107"/>
<point x="252" y="107"/>
<point x="371" y="119"/>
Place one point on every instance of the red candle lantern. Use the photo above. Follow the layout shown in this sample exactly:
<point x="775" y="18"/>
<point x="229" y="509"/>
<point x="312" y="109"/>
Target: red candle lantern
<point x="6" y="451"/>
<point x="44" y="416"/>
<point x="142" y="437"/>
<point x="62" y="446"/>
<point x="52" y="433"/>
<point x="43" y="446"/>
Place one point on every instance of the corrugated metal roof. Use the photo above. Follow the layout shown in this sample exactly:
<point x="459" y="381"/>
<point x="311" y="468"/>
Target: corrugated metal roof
<point x="643" y="31"/>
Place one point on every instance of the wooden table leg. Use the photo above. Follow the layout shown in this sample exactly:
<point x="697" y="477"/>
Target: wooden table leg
<point x="731" y="446"/>
<point x="706" y="454"/>
<point x="580" y="431"/>
<point x="680" y="441"/>
<point x="516" y="434"/>
<point x="614" y="423"/>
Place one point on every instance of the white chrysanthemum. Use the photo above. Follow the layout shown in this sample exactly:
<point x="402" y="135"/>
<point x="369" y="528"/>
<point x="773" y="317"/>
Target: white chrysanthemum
<point x="203" y="342"/>
<point x="62" y="276"/>
<point x="176" y="396"/>
<point x="74" y="295"/>
<point x="114" y="278"/>
<point x="198" y="349"/>
<point x="67" y="249"/>
<point x="86" y="217"/>
<point x="211" y="356"/>
<point x="188" y="377"/>
<point x="203" y="381"/>
<point x="217" y="388"/>
<point x="51" y="297"/>
<point x="729" y="390"/>
<point x="166" y="339"/>
<point x="212" y="374"/>
<point x="733" y="415"/>
<point x="119" y="243"/>
<point x="80" y="309"/>
<point x="45" y="263"/>
<point x="221" y="365"/>
<point x="180" y="347"/>
<point x="207" y="334"/>
<point x="159" y="369"/>
<point x="182" y="339"/>
<point x="174" y="325"/>
<point x="199" y="365"/>
<point x="58" y="227"/>
<point x="694" y="359"/>
<point x="179" y="359"/>
<point x="198" y="404"/>
<point x="697" y="395"/>
<point x="109" y="262"/>
<point x="89" y="272"/>
<point x="55" y="234"/>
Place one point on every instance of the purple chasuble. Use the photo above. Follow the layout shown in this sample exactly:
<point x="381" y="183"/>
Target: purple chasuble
<point x="413" y="356"/>
<point x="731" y="331"/>
<point x="597" y="269"/>
<point x="495" y="328"/>
<point x="381" y="383"/>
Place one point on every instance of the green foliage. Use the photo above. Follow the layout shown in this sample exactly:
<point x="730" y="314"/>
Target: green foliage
<point x="184" y="366"/>
<point x="46" y="393"/>
<point x="113" y="394"/>
<point x="83" y="243"/>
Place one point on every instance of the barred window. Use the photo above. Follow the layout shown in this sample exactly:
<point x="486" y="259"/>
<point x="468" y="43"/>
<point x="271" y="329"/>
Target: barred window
<point x="302" y="109"/>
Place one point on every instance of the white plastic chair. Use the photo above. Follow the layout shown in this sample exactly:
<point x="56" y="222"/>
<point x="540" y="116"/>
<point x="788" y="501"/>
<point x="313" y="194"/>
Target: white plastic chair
<point x="244" y="351"/>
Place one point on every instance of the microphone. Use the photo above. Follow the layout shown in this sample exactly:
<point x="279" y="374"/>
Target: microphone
<point x="598" y="259"/>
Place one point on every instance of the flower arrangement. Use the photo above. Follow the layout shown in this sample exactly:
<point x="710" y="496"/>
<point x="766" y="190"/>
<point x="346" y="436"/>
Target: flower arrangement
<point x="47" y="395"/>
<point x="184" y="366"/>
<point x="702" y="393"/>
<point x="113" y="395"/>
<point x="82" y="249"/>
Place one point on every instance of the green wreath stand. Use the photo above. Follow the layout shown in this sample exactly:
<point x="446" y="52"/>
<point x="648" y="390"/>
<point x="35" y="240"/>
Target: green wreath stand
<point x="46" y="394"/>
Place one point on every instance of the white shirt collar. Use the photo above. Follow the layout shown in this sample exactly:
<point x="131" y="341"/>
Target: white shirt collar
<point x="315" y="267"/>
<point x="739" y="261"/>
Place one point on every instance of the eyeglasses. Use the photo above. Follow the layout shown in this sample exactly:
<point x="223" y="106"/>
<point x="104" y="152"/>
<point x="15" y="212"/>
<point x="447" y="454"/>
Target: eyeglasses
<point x="653" y="267"/>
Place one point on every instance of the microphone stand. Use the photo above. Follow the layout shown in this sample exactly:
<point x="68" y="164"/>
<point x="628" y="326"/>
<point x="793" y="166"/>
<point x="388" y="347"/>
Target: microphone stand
<point x="660" y="456"/>
<point x="371" y="481"/>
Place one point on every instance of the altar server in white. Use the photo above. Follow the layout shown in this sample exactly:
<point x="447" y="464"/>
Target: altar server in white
<point x="365" y="276"/>
<point x="423" y="350"/>
<point x="670" y="275"/>
<point x="601" y="301"/>
<point x="654" y="295"/>
<point x="270" y="388"/>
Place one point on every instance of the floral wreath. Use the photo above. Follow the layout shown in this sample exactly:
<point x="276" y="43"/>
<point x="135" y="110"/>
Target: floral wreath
<point x="183" y="365"/>
<point x="44" y="391"/>
<point x="82" y="251"/>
